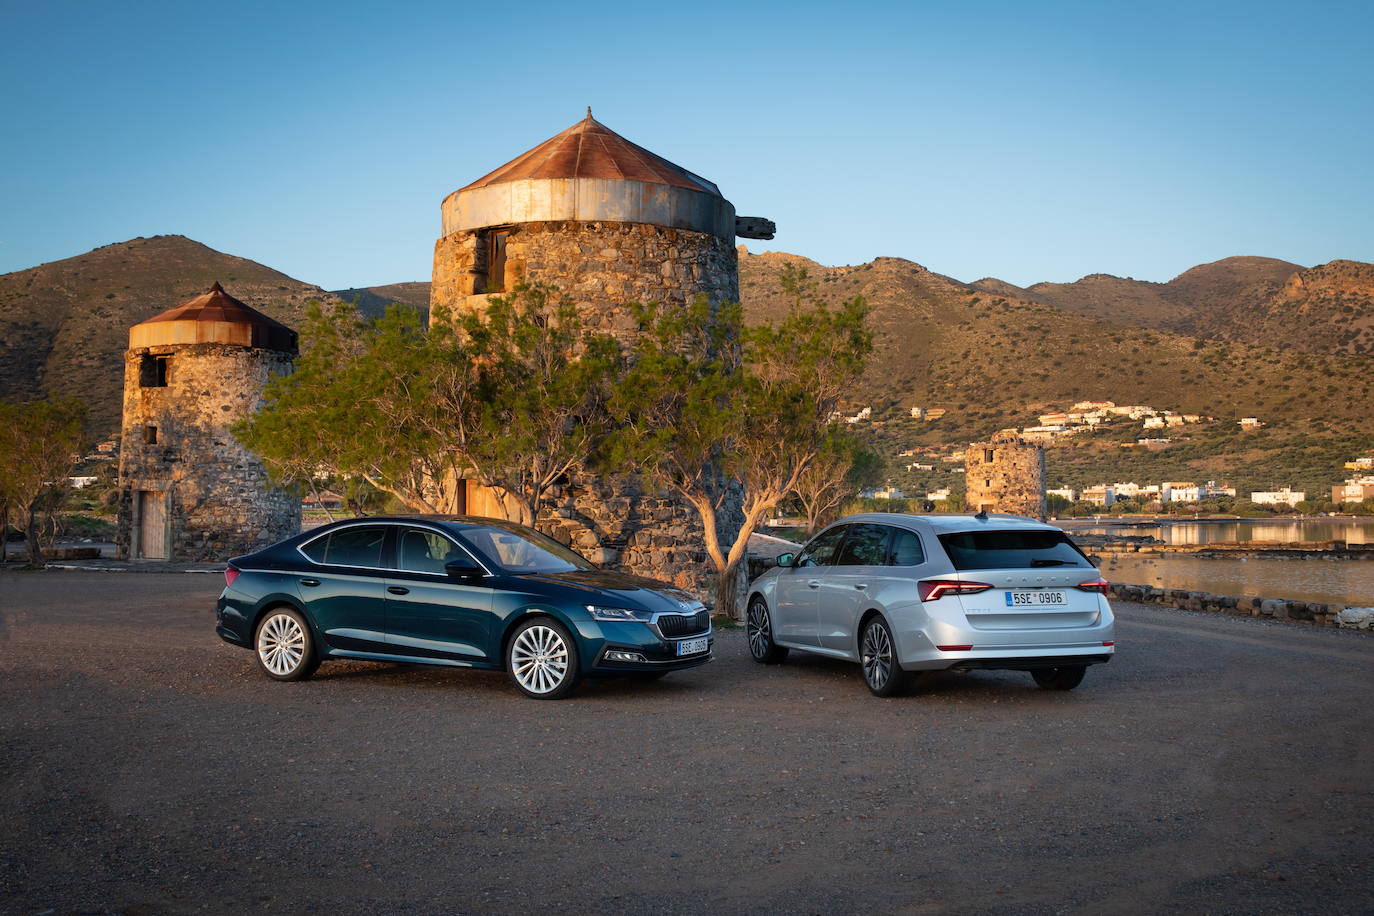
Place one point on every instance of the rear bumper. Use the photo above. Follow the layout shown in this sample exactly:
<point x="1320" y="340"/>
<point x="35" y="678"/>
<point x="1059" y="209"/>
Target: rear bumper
<point x="1030" y="663"/>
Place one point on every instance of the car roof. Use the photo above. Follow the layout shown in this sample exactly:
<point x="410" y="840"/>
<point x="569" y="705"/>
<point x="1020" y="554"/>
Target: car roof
<point x="458" y="522"/>
<point x="948" y="524"/>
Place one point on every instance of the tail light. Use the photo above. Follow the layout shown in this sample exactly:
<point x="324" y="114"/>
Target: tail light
<point x="1096" y="585"/>
<point x="230" y="575"/>
<point x="934" y="589"/>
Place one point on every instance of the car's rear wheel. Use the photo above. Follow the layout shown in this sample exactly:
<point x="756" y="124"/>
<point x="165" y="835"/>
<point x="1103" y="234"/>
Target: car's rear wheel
<point x="541" y="659"/>
<point x="878" y="653"/>
<point x="758" y="626"/>
<point x="1066" y="677"/>
<point x="285" y="649"/>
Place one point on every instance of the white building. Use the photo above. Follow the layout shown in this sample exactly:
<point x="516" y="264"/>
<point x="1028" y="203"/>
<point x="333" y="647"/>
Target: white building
<point x="1211" y="489"/>
<point x="882" y="493"/>
<point x="938" y="496"/>
<point x="1099" y="495"/>
<point x="1250" y="423"/>
<point x="1284" y="497"/>
<point x="1154" y="423"/>
<point x="1068" y="493"/>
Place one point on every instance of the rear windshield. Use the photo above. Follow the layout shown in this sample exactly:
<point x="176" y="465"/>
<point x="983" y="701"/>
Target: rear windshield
<point x="1014" y="549"/>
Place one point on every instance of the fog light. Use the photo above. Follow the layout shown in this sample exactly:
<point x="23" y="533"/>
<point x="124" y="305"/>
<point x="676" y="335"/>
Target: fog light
<point x="619" y="655"/>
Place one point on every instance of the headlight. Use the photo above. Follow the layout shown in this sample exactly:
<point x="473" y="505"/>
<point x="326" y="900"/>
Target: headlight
<point x="619" y="613"/>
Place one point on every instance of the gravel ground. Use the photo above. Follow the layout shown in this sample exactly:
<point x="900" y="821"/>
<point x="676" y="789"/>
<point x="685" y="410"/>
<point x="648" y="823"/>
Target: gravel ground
<point x="1218" y="765"/>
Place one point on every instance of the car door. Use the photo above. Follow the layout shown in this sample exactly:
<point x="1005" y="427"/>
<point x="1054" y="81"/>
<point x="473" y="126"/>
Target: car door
<point x="429" y="614"/>
<point x="844" y="591"/>
<point x="342" y="587"/>
<point x="795" y="609"/>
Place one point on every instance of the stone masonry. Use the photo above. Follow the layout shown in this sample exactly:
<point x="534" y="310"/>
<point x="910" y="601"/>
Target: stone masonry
<point x="601" y="266"/>
<point x="218" y="501"/>
<point x="1006" y="474"/>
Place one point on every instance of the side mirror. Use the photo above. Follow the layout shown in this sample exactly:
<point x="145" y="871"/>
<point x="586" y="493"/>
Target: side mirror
<point x="786" y="560"/>
<point x="462" y="569"/>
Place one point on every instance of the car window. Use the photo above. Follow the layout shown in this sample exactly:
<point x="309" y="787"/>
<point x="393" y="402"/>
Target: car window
<point x="905" y="549"/>
<point x="821" y="550"/>
<point x="521" y="551"/>
<point x="424" y="551"/>
<point x="1012" y="549"/>
<point x="361" y="546"/>
<point x="316" y="548"/>
<point x="865" y="546"/>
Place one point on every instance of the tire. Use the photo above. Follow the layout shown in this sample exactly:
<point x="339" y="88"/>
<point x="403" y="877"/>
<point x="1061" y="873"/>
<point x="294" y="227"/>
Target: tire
<point x="878" y="656"/>
<point x="1064" y="678"/>
<point x="541" y="659"/>
<point x="284" y="646"/>
<point x="758" y="627"/>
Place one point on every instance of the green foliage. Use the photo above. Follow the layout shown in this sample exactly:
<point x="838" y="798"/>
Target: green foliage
<point x="512" y="398"/>
<point x="708" y="408"/>
<point x="40" y="443"/>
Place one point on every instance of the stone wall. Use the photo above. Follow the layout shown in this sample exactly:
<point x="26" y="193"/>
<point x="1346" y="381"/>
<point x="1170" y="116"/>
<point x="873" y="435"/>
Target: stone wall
<point x="600" y="266"/>
<point x="219" y="503"/>
<point x="603" y="266"/>
<point x="1006" y="475"/>
<point x="1308" y="612"/>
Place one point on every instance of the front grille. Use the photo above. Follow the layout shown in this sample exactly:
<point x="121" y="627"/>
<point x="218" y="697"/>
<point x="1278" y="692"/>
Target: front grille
<point x="675" y="625"/>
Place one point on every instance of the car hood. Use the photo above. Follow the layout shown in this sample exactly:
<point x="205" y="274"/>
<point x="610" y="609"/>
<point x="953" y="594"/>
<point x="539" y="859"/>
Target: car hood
<point x="615" y="589"/>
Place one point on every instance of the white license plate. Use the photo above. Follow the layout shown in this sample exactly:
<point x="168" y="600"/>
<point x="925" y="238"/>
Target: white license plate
<point x="693" y="646"/>
<point x="1035" y="599"/>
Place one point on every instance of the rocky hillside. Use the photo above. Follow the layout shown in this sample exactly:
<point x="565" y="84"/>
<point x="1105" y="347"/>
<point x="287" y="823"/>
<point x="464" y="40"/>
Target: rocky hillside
<point x="1262" y="301"/>
<point x="64" y="325"/>
<point x="947" y="344"/>
<point x="373" y="300"/>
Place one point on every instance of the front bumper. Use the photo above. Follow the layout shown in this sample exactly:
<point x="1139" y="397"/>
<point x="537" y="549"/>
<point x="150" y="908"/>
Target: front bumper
<point x="642" y="648"/>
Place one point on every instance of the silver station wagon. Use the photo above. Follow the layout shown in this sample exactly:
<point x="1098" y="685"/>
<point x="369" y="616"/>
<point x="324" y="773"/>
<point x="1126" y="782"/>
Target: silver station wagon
<point x="904" y="594"/>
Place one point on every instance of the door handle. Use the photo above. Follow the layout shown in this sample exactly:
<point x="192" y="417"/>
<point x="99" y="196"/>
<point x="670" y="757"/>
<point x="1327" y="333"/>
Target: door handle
<point x="310" y="582"/>
<point x="861" y="587"/>
<point x="397" y="590"/>
<point x="814" y="583"/>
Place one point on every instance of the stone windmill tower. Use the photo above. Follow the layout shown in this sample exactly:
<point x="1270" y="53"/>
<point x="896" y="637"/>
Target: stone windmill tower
<point x="608" y="223"/>
<point x="189" y="490"/>
<point x="1006" y="474"/>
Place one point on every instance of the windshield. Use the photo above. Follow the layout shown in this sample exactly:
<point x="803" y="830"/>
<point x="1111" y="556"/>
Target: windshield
<point x="1013" y="549"/>
<point x="519" y="551"/>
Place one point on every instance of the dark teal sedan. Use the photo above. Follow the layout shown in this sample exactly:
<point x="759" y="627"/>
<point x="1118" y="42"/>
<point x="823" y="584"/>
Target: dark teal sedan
<point x="451" y="590"/>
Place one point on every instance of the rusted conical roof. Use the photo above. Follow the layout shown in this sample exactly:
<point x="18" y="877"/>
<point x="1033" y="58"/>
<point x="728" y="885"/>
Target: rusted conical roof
<point x="213" y="317"/>
<point x="590" y="149"/>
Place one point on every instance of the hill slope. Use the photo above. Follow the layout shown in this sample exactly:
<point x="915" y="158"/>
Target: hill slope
<point x="373" y="300"/>
<point x="64" y="325"/>
<point x="995" y="361"/>
<point x="1262" y="301"/>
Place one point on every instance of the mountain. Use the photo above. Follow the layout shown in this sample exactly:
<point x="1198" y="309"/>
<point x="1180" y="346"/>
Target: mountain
<point x="64" y="325"/>
<point x="1261" y="301"/>
<point x="993" y="361"/>
<point x="373" y="300"/>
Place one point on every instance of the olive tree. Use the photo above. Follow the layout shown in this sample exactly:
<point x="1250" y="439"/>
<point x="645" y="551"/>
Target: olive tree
<point x="722" y="415"/>
<point x="40" y="443"/>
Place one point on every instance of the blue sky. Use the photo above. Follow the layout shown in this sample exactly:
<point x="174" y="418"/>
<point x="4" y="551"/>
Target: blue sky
<point x="1027" y="141"/>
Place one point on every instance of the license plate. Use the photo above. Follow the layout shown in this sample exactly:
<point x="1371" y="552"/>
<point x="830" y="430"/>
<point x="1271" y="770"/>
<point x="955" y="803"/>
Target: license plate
<point x="1035" y="599"/>
<point x="693" y="646"/>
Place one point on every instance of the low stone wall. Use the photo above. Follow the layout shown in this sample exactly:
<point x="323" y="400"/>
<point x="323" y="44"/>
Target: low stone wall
<point x="1312" y="613"/>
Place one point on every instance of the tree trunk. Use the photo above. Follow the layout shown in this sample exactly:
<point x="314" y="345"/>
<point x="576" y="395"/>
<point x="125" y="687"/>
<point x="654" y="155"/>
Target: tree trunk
<point x="4" y="532"/>
<point x="728" y="591"/>
<point x="36" y="558"/>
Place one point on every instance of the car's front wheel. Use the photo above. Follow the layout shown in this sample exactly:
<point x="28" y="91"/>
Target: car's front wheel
<point x="758" y="626"/>
<point x="878" y="653"/>
<point x="1066" y="677"/>
<point x="285" y="649"/>
<point x="541" y="659"/>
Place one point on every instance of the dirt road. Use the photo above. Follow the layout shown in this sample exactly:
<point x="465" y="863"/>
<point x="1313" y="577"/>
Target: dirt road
<point x="1217" y="765"/>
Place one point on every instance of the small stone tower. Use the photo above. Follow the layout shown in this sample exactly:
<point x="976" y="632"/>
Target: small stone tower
<point x="608" y="223"/>
<point x="1006" y="475"/>
<point x="190" y="491"/>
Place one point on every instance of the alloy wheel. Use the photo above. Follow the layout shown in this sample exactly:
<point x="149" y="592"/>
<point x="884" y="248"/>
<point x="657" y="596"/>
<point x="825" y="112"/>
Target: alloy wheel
<point x="281" y="644"/>
<point x="539" y="659"/>
<point x="877" y="656"/>
<point x="759" y="630"/>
